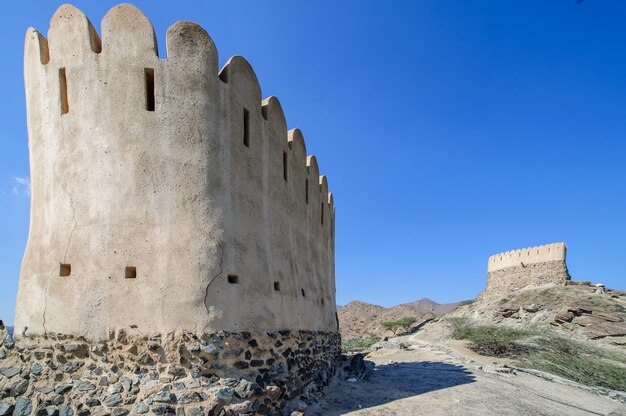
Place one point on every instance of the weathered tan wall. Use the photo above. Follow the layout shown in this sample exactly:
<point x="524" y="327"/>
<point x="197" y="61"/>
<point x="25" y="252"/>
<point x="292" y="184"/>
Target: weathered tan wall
<point x="526" y="267"/>
<point x="525" y="256"/>
<point x="173" y="192"/>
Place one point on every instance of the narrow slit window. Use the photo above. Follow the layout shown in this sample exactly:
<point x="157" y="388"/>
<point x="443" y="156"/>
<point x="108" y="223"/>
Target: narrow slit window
<point x="322" y="213"/>
<point x="246" y="127"/>
<point x="65" y="270"/>
<point x="65" y="105"/>
<point x="303" y="293"/>
<point x="233" y="279"/>
<point x="306" y="191"/>
<point x="285" y="166"/>
<point x="322" y="300"/>
<point x="150" y="99"/>
<point x="130" y="272"/>
<point x="277" y="286"/>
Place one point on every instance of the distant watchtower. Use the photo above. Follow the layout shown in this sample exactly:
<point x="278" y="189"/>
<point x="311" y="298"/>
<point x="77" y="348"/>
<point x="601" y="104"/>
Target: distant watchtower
<point x="534" y="266"/>
<point x="166" y="195"/>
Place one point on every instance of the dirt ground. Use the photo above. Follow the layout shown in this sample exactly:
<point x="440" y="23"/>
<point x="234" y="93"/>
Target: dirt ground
<point x="433" y="380"/>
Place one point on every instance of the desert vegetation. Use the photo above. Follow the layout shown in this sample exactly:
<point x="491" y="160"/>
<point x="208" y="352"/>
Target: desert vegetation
<point x="357" y="344"/>
<point x="401" y="324"/>
<point x="543" y="350"/>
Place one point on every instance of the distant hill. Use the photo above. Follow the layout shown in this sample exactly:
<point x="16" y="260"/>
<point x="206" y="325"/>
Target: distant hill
<point x="428" y="305"/>
<point x="10" y="329"/>
<point x="364" y="320"/>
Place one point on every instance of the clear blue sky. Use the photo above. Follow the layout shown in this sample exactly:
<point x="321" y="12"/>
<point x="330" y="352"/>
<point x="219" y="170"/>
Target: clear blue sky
<point x="449" y="130"/>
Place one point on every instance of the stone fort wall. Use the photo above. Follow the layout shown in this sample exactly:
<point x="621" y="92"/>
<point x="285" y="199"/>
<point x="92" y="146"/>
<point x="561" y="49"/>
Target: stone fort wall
<point x="167" y="195"/>
<point x="526" y="267"/>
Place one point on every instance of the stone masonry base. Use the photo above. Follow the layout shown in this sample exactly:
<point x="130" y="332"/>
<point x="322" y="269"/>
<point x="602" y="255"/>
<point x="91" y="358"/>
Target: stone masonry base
<point x="501" y="282"/>
<point x="181" y="374"/>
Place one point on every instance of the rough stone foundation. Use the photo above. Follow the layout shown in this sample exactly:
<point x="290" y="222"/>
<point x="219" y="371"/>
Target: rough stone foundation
<point x="502" y="281"/>
<point x="182" y="374"/>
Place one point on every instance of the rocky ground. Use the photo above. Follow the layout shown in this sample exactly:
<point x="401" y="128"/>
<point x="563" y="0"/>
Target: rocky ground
<point x="429" y="372"/>
<point x="364" y="320"/>
<point x="579" y="310"/>
<point x="446" y="378"/>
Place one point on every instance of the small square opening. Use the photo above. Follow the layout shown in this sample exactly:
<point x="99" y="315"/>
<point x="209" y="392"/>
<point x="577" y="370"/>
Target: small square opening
<point x="232" y="278"/>
<point x="65" y="270"/>
<point x="303" y="294"/>
<point x="277" y="286"/>
<point x="131" y="272"/>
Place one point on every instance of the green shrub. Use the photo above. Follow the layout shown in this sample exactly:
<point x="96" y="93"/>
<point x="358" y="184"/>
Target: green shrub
<point x="494" y="340"/>
<point x="357" y="344"/>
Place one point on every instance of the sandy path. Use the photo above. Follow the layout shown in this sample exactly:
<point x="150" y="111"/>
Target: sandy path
<point x="427" y="381"/>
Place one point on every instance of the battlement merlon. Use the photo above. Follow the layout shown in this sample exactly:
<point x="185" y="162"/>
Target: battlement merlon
<point x="525" y="256"/>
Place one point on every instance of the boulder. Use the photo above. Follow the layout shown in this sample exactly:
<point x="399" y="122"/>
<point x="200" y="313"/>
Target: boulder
<point x="563" y="317"/>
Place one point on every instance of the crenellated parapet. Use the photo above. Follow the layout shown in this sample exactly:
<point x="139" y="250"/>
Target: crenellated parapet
<point x="527" y="267"/>
<point x="526" y="256"/>
<point x="166" y="194"/>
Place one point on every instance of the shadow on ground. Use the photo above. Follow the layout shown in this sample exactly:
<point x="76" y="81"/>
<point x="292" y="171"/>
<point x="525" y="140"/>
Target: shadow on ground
<point x="392" y="382"/>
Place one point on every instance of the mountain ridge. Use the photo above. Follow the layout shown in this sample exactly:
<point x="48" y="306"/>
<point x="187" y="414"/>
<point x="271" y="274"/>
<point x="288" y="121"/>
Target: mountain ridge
<point x="358" y="319"/>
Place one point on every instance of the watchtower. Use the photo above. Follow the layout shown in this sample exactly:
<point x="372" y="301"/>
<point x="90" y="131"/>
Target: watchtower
<point x="166" y="195"/>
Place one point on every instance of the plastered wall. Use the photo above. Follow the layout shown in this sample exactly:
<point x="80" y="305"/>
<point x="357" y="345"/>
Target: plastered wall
<point x="173" y="191"/>
<point x="531" y="255"/>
